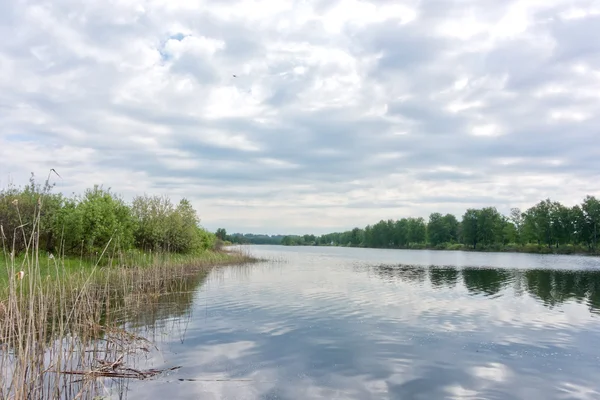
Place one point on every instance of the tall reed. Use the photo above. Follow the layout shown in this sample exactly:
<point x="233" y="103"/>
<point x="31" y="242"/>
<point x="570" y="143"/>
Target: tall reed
<point x="61" y="330"/>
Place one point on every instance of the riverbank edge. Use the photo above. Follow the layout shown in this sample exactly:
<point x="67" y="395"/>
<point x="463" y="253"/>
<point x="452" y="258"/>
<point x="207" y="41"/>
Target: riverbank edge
<point x="58" y="315"/>
<point x="527" y="249"/>
<point x="69" y="265"/>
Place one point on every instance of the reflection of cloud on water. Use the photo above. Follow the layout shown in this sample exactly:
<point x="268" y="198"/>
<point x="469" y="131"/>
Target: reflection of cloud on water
<point x="330" y="331"/>
<point x="276" y="329"/>
<point x="574" y="391"/>
<point x="495" y="372"/>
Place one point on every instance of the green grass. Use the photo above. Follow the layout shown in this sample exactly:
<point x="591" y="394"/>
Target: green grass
<point x="52" y="268"/>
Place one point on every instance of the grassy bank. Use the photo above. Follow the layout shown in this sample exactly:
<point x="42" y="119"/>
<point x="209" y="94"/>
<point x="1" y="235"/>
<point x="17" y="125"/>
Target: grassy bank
<point x="49" y="267"/>
<point x="75" y="271"/>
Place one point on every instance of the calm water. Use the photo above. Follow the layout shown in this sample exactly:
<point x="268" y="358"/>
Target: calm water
<point x="334" y="323"/>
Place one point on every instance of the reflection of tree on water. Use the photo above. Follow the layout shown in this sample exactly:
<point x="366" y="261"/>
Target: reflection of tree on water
<point x="554" y="287"/>
<point x="411" y="273"/>
<point x="443" y="276"/>
<point x="550" y="287"/>
<point x="486" y="281"/>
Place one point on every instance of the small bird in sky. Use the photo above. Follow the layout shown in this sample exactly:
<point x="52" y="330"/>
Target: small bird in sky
<point x="235" y="76"/>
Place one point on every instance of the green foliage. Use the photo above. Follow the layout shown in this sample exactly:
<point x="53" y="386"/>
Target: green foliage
<point x="19" y="210"/>
<point x="442" y="229"/>
<point x="222" y="234"/>
<point x="250" y="238"/>
<point x="97" y="220"/>
<point x="160" y="226"/>
<point x="469" y="227"/>
<point x="293" y="240"/>
<point x="547" y="227"/>
<point x="103" y="217"/>
<point x="206" y="240"/>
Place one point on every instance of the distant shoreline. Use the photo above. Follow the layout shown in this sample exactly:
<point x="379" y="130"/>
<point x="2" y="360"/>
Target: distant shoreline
<point x="521" y="250"/>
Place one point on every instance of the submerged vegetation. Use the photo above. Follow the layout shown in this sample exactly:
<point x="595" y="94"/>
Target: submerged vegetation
<point x="76" y="271"/>
<point x="547" y="227"/>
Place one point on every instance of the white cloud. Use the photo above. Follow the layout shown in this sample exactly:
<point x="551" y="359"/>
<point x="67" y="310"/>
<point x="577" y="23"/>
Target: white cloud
<point x="339" y="114"/>
<point x="486" y="130"/>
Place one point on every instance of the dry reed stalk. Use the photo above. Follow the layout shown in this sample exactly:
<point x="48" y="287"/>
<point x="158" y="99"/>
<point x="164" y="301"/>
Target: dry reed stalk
<point x="50" y="331"/>
<point x="58" y="335"/>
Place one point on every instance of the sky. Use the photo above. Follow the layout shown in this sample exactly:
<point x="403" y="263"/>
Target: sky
<point x="340" y="113"/>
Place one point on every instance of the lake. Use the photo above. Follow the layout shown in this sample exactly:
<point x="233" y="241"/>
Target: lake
<point x="343" y="323"/>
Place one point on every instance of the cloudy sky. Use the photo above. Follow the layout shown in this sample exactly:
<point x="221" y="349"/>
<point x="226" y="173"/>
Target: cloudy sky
<point x="341" y="114"/>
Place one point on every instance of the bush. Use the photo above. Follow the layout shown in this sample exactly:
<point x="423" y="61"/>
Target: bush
<point x="162" y="227"/>
<point x="206" y="240"/>
<point x="92" y="221"/>
<point x="456" y="246"/>
<point x="19" y="210"/>
<point x="85" y="225"/>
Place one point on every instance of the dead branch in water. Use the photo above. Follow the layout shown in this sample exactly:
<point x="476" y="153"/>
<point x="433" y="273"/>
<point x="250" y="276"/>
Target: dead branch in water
<point x="117" y="369"/>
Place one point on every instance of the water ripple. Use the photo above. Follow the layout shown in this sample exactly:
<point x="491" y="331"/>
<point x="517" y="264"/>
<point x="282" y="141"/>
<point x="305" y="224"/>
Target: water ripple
<point x="364" y="323"/>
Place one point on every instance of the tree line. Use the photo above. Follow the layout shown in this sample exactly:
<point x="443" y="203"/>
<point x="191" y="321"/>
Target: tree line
<point x="248" y="238"/>
<point x="546" y="227"/>
<point x="88" y="223"/>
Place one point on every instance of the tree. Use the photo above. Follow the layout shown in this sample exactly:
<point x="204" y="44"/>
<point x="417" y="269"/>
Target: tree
<point x="591" y="210"/>
<point x="221" y="234"/>
<point x="452" y="225"/>
<point x="547" y="223"/>
<point x="489" y="226"/>
<point x="151" y="214"/>
<point x="436" y="230"/>
<point x="309" y="239"/>
<point x="417" y="230"/>
<point x="400" y="232"/>
<point x="442" y="229"/>
<point x="517" y="219"/>
<point x="469" y="227"/>
<point x="560" y="224"/>
<point x="581" y="229"/>
<point x="356" y="237"/>
<point x="537" y="223"/>
<point x="101" y="218"/>
<point x="368" y="237"/>
<point x="509" y="232"/>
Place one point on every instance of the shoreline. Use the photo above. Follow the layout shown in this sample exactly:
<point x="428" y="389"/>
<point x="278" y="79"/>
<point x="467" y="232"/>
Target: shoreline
<point x="539" y="251"/>
<point x="63" y="315"/>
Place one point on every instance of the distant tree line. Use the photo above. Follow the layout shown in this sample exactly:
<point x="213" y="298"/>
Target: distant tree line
<point x="248" y="238"/>
<point x="88" y="223"/>
<point x="546" y="227"/>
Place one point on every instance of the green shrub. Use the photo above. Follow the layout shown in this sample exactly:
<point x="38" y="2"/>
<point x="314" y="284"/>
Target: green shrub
<point x="159" y="226"/>
<point x="90" y="222"/>
<point x="86" y="224"/>
<point x="19" y="210"/>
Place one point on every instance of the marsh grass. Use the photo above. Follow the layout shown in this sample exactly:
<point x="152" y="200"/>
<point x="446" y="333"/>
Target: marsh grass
<point x="61" y="323"/>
